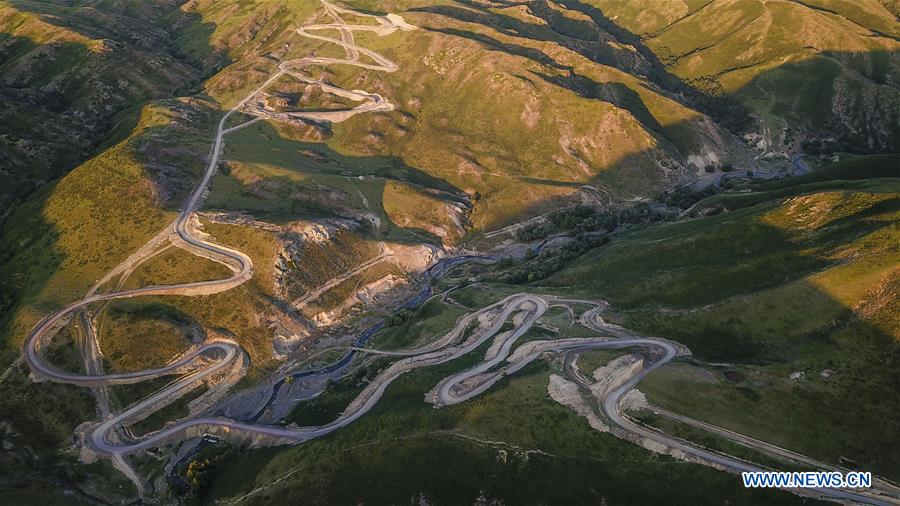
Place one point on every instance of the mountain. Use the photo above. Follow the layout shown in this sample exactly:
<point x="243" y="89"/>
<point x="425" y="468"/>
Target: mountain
<point x="68" y="72"/>
<point x="721" y="174"/>
<point x="820" y="76"/>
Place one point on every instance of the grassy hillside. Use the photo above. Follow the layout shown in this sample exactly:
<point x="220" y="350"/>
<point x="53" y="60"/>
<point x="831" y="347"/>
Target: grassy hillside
<point x="502" y="112"/>
<point x="280" y="179"/>
<point x="503" y="106"/>
<point x="55" y="246"/>
<point x="511" y="445"/>
<point x="822" y="75"/>
<point x="170" y="266"/>
<point x="65" y="237"/>
<point x="66" y="74"/>
<point x="500" y="105"/>
<point x="805" y="280"/>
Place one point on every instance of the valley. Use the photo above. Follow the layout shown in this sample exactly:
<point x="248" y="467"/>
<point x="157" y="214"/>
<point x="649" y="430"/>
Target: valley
<point x="385" y="233"/>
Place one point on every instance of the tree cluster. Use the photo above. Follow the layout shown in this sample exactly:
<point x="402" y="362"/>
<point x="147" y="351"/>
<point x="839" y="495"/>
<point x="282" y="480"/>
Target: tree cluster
<point x="547" y="263"/>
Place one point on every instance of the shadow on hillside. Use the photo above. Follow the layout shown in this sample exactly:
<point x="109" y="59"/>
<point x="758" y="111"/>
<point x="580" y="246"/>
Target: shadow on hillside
<point x="169" y="159"/>
<point x="867" y="119"/>
<point x="153" y="27"/>
<point x="635" y="176"/>
<point x="364" y="175"/>
<point x="838" y="101"/>
<point x="492" y="44"/>
<point x="569" y="34"/>
<point x="80" y="89"/>
<point x="28" y="258"/>
<point x="34" y="152"/>
<point x="33" y="283"/>
<point x="614" y="93"/>
<point x="70" y="129"/>
<point x="748" y="293"/>
<point x="807" y="86"/>
<point x="802" y="89"/>
<point x="816" y="415"/>
<point x="151" y="310"/>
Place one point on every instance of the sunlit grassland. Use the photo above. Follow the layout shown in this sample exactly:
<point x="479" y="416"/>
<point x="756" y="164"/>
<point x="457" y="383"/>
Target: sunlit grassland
<point x="259" y="244"/>
<point x="410" y="207"/>
<point x="135" y="336"/>
<point x="462" y="135"/>
<point x="175" y="265"/>
<point x="801" y="279"/>
<point x="280" y="179"/>
<point x="794" y="64"/>
<point x="240" y="314"/>
<point x="89" y="221"/>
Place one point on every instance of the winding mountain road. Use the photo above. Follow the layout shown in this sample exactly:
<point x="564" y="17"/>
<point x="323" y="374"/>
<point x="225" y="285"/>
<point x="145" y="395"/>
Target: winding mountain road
<point x="212" y="358"/>
<point x="224" y="352"/>
<point x="467" y="384"/>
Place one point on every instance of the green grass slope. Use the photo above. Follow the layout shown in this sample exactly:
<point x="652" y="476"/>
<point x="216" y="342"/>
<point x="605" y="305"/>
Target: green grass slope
<point x="508" y="107"/>
<point x="66" y="72"/>
<point x="501" y="112"/>
<point x="56" y="245"/>
<point x="512" y="445"/>
<point x="820" y="75"/>
<point x="804" y="280"/>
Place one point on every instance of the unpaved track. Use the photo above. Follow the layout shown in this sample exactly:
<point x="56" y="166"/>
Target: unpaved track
<point x="524" y="309"/>
<point x="611" y="408"/>
<point x="766" y="448"/>
<point x="385" y="25"/>
<point x="497" y="314"/>
<point x="467" y="384"/>
<point x="224" y="352"/>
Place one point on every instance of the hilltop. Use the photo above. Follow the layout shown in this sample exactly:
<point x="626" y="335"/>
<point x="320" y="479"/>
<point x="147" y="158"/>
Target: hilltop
<point x="820" y="76"/>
